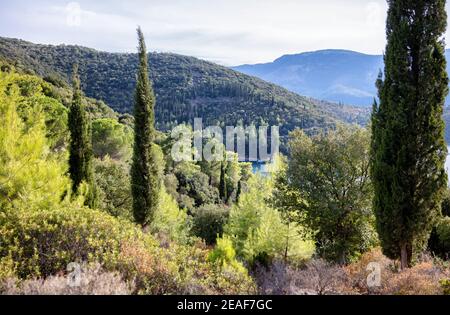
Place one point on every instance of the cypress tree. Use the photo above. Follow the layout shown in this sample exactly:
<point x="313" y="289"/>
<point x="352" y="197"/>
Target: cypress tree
<point x="145" y="181"/>
<point x="80" y="151"/>
<point x="222" y="184"/>
<point x="408" y="146"/>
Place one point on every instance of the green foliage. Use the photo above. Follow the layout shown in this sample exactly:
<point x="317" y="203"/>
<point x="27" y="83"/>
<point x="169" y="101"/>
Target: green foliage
<point x="42" y="243"/>
<point x="185" y="87"/>
<point x="408" y="146"/>
<point x="113" y="184"/>
<point x="170" y="221"/>
<point x="445" y="205"/>
<point x="445" y="284"/>
<point x="80" y="150"/>
<point x="29" y="173"/>
<point x="257" y="229"/>
<point x="109" y="137"/>
<point x="224" y="256"/>
<point x="442" y="244"/>
<point x="223" y="191"/>
<point x="145" y="171"/>
<point x="331" y="173"/>
<point x="193" y="186"/>
<point x="209" y="221"/>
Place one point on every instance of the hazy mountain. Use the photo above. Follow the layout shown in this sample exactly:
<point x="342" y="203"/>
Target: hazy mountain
<point x="333" y="75"/>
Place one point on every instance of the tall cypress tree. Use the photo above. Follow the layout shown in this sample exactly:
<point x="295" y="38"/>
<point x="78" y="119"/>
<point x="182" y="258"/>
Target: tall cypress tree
<point x="80" y="152"/>
<point x="223" y="193"/>
<point x="408" y="147"/>
<point x="145" y="181"/>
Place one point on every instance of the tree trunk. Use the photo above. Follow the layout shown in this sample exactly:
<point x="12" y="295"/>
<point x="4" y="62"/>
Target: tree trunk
<point x="404" y="257"/>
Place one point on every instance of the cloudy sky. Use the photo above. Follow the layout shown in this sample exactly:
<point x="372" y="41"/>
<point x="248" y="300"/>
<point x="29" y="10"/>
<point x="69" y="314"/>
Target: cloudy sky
<point x="229" y="32"/>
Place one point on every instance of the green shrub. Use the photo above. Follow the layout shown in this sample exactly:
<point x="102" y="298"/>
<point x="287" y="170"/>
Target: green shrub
<point x="114" y="189"/>
<point x="209" y="221"/>
<point x="170" y="220"/>
<point x="42" y="243"/>
<point x="257" y="229"/>
<point x="443" y="234"/>
<point x="445" y="284"/>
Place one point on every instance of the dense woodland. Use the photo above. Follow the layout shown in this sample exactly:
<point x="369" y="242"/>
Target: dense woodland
<point x="82" y="183"/>
<point x="185" y="88"/>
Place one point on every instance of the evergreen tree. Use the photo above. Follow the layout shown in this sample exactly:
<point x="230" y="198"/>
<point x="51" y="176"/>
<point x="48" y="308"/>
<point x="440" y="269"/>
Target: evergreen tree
<point x="145" y="181"/>
<point x="80" y="152"/>
<point x="222" y="185"/>
<point x="408" y="147"/>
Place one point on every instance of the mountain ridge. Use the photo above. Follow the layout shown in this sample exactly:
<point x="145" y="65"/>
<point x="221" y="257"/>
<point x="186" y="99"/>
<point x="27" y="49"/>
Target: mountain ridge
<point x="334" y="75"/>
<point x="185" y="88"/>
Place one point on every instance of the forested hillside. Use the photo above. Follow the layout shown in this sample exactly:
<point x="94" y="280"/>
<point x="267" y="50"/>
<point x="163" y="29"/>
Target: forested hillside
<point x="185" y="88"/>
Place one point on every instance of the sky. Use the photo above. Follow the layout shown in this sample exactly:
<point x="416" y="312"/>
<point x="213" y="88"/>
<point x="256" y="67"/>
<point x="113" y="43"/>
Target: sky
<point x="228" y="32"/>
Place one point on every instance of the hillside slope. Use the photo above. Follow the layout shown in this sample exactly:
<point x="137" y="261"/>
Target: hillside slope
<point x="333" y="75"/>
<point x="185" y="88"/>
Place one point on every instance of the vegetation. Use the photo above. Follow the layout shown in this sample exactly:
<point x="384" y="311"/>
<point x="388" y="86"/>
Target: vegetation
<point x="112" y="200"/>
<point x="185" y="88"/>
<point x="146" y="167"/>
<point x="328" y="183"/>
<point x="80" y="151"/>
<point x="408" y="146"/>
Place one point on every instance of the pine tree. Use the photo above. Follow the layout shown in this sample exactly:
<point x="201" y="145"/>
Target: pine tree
<point x="408" y="147"/>
<point x="145" y="181"/>
<point x="80" y="153"/>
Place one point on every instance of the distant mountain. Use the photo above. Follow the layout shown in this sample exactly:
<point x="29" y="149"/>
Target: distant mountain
<point x="185" y="88"/>
<point x="334" y="75"/>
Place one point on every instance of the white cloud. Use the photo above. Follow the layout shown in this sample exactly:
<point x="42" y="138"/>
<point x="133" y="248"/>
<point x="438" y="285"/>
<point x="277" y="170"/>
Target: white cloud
<point x="230" y="32"/>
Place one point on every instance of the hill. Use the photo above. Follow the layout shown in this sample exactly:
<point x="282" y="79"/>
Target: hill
<point x="185" y="88"/>
<point x="333" y="75"/>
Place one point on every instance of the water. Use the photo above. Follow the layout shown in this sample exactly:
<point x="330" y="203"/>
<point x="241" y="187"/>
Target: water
<point x="447" y="163"/>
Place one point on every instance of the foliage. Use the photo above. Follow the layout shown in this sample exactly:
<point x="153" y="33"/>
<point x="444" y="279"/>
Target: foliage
<point x="113" y="184"/>
<point x="209" y="221"/>
<point x="170" y="221"/>
<point x="80" y="150"/>
<point x="330" y="172"/>
<point x="145" y="170"/>
<point x="224" y="256"/>
<point x="109" y="137"/>
<point x="445" y="284"/>
<point x="41" y="243"/>
<point x="256" y="229"/>
<point x="194" y="184"/>
<point x="29" y="173"/>
<point x="185" y="88"/>
<point x="408" y="146"/>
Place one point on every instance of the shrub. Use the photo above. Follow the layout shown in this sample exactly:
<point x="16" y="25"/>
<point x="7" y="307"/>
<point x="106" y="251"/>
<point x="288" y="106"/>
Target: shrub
<point x="111" y="138"/>
<point x="114" y="189"/>
<point x="41" y="243"/>
<point x="317" y="277"/>
<point x="257" y="229"/>
<point x="93" y="281"/>
<point x="170" y="221"/>
<point x="422" y="279"/>
<point x="209" y="221"/>
<point x="445" y="284"/>
<point x="439" y="242"/>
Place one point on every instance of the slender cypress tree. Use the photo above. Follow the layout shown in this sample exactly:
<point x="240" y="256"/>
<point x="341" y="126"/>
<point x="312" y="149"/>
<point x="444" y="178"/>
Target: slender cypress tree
<point x="80" y="153"/>
<point x="145" y="181"/>
<point x="408" y="147"/>
<point x="222" y="184"/>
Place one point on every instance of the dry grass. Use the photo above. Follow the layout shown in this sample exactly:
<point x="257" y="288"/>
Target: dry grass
<point x="320" y="278"/>
<point x="93" y="281"/>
